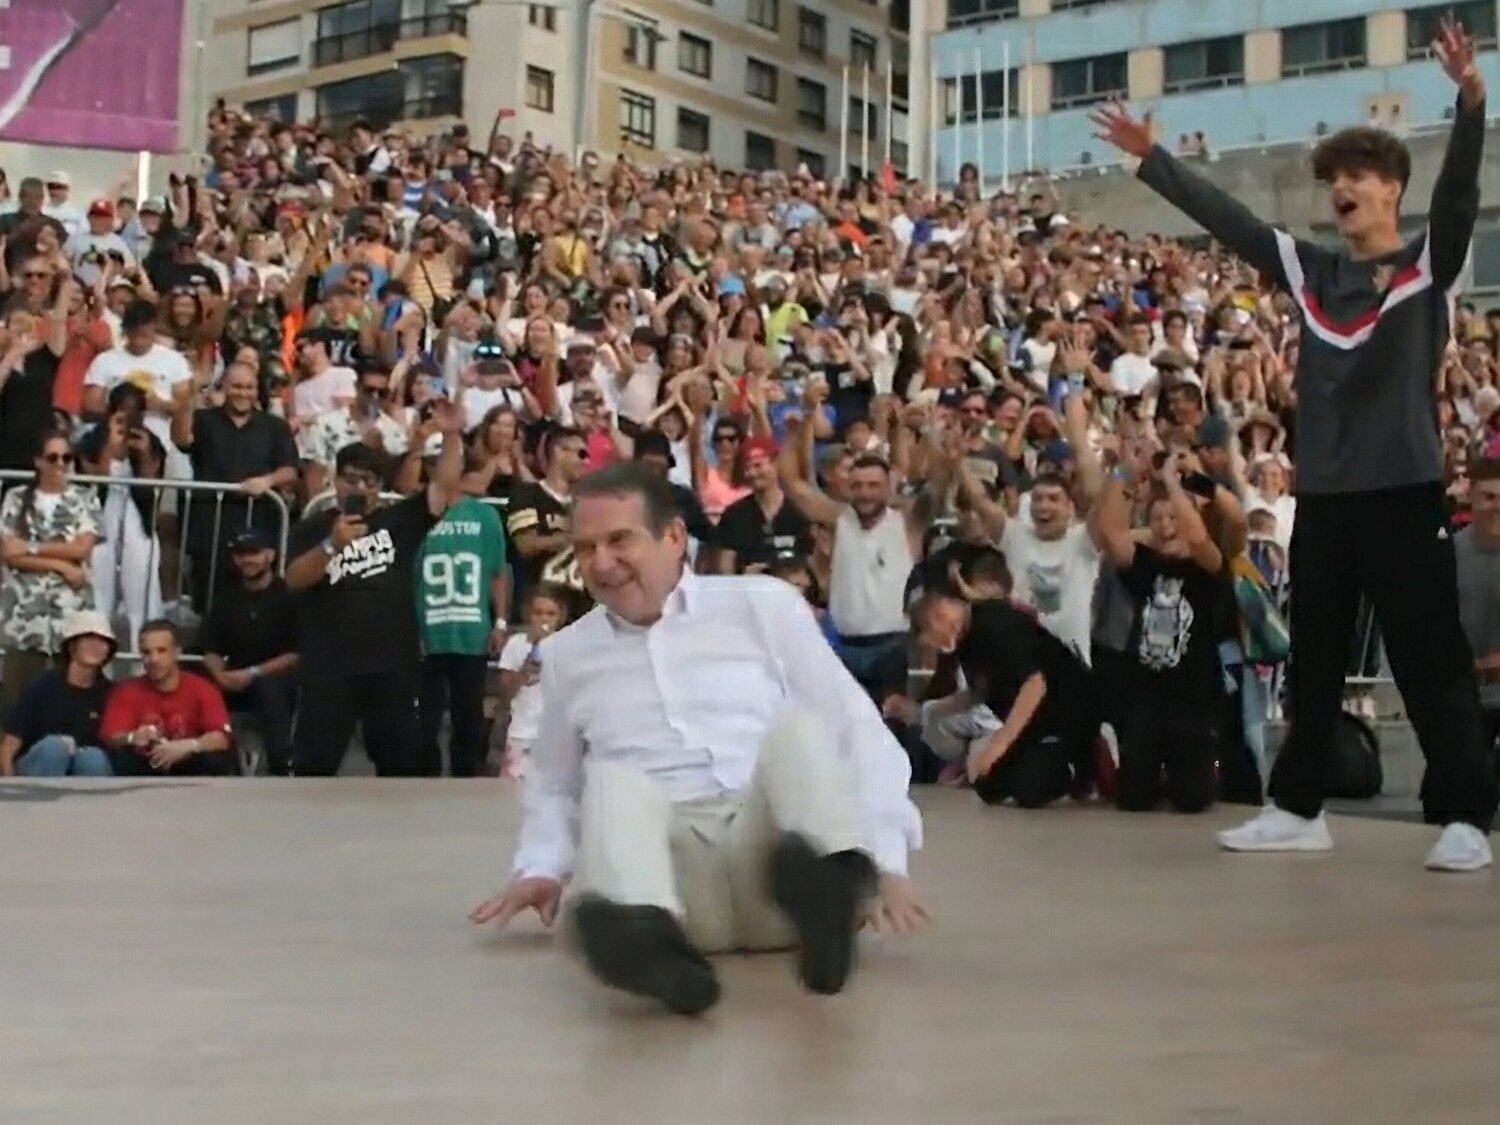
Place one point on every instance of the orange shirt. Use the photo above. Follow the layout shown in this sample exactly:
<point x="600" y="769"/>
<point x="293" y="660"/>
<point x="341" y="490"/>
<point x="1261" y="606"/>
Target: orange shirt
<point x="84" y="342"/>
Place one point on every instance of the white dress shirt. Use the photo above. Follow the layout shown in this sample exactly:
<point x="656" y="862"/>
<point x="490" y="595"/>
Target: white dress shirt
<point x="688" y="701"/>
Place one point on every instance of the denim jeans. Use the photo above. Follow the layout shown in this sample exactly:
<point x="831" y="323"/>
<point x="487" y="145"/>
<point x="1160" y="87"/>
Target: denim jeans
<point x="54" y="756"/>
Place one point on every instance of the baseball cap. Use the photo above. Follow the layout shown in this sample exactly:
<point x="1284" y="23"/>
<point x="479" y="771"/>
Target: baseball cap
<point x="731" y="286"/>
<point x="654" y="443"/>
<point x="102" y="207"/>
<point x="1213" y="432"/>
<point x="1057" y="453"/>
<point x="153" y="205"/>
<point x="759" y="446"/>
<point x="60" y="178"/>
<point x="251" y="539"/>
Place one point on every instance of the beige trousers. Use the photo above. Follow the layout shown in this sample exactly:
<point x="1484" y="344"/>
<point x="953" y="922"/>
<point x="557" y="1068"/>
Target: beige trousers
<point x="708" y="860"/>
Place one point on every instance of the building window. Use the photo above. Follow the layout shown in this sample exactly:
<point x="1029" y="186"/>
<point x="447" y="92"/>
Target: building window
<point x="764" y="13"/>
<point x="692" y="130"/>
<point x="869" y="112"/>
<point x="864" y="51"/>
<point x="812" y="104"/>
<point x="812" y="161"/>
<point x="695" y="56"/>
<point x="760" y="80"/>
<point x="641" y="38"/>
<point x="812" y="32"/>
<point x="1477" y="16"/>
<point x="991" y="88"/>
<point x="431" y="86"/>
<point x="544" y="18"/>
<point x="1318" y="47"/>
<point x="1084" y="81"/>
<point x="538" y="89"/>
<point x="274" y="46"/>
<point x="760" y="152"/>
<point x="363" y="28"/>
<point x="1063" y="5"/>
<point x="1205" y="64"/>
<point x="637" y="119"/>
<point x="283" y="108"/>
<point x="961" y="12"/>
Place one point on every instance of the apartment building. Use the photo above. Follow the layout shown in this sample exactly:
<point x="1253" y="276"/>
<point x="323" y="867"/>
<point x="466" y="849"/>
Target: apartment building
<point x="751" y="83"/>
<point x="1242" y="73"/>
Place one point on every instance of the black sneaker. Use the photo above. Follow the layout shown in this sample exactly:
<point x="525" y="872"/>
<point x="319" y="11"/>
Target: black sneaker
<point x="822" y="895"/>
<point x="643" y="950"/>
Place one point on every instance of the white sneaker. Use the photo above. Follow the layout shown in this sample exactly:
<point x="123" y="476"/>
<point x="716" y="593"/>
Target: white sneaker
<point x="1461" y="847"/>
<point x="1275" y="830"/>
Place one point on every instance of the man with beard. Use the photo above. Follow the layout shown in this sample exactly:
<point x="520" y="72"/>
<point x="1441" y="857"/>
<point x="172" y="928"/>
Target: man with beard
<point x="874" y="546"/>
<point x="758" y="529"/>
<point x="250" y="644"/>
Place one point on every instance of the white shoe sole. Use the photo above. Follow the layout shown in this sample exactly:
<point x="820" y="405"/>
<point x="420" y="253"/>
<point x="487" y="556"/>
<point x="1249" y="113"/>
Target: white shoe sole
<point x="1301" y="844"/>
<point x="1463" y="867"/>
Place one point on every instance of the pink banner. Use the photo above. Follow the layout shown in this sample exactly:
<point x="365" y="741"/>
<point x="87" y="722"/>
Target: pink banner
<point x="91" y="73"/>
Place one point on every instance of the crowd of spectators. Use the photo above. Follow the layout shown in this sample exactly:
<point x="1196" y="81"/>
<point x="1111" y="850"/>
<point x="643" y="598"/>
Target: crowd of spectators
<point x="1026" y="466"/>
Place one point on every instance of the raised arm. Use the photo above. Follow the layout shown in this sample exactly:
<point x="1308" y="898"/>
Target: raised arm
<point x="1455" y="195"/>
<point x="1219" y="213"/>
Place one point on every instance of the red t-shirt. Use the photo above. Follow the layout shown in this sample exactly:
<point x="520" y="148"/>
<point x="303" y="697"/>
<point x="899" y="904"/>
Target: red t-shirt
<point x="196" y="708"/>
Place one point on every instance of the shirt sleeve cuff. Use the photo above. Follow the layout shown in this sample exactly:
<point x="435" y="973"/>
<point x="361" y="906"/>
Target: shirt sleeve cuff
<point x="888" y="849"/>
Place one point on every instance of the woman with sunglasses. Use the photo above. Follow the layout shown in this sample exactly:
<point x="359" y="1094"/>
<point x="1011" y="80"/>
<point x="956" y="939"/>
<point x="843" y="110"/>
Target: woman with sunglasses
<point x="47" y="530"/>
<point x="30" y="350"/>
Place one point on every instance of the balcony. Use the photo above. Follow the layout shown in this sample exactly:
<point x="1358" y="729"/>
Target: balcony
<point x="380" y="38"/>
<point x="384" y="112"/>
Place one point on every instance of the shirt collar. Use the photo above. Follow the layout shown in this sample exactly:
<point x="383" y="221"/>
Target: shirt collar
<point x="683" y="600"/>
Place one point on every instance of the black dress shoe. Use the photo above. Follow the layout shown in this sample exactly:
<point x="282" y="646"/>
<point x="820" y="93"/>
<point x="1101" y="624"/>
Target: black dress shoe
<point x="822" y="895"/>
<point x="643" y="950"/>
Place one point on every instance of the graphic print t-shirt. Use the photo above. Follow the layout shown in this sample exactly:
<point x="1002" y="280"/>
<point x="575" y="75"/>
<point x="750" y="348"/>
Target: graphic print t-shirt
<point x="362" y="617"/>
<point x="1056" y="578"/>
<point x="534" y="507"/>
<point x="460" y="559"/>
<point x="1173" y="634"/>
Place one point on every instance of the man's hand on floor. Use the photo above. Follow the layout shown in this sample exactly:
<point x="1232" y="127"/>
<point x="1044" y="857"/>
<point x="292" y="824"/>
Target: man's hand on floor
<point x="897" y="909"/>
<point x="534" y="893"/>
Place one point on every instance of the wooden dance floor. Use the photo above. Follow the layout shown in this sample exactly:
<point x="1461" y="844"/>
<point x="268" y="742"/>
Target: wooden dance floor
<point x="297" y="952"/>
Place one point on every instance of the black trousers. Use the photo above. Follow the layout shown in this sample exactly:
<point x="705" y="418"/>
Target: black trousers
<point x="1167" y="749"/>
<point x="215" y="763"/>
<point x="273" y="702"/>
<point x="454" y="684"/>
<point x="1393" y="546"/>
<point x="1035" y="772"/>
<point x="384" y="704"/>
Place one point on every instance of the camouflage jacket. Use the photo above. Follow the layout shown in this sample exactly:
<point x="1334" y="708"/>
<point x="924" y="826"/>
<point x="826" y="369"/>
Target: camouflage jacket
<point x="33" y="604"/>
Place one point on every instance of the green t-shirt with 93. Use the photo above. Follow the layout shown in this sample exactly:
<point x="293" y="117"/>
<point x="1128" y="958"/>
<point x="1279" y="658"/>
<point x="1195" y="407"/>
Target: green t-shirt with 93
<point x="459" y="561"/>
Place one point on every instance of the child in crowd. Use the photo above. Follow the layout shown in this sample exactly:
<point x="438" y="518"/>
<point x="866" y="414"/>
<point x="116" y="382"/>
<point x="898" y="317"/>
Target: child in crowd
<point x="521" y="672"/>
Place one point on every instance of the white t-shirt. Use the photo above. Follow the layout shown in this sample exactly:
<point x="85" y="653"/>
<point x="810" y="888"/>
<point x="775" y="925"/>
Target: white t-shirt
<point x="479" y="401"/>
<point x="526" y="707"/>
<point x="333" y="388"/>
<point x="1131" y="374"/>
<point x="159" y="372"/>
<point x="1056" y="578"/>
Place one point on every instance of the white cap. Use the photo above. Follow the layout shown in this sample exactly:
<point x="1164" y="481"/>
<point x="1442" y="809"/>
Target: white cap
<point x="61" y="178"/>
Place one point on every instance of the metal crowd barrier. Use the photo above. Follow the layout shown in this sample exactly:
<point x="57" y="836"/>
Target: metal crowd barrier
<point x="126" y="565"/>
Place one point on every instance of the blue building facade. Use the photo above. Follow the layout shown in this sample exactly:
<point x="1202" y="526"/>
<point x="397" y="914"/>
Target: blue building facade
<point x="1242" y="72"/>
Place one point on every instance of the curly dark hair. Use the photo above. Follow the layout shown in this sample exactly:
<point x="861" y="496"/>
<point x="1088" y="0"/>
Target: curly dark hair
<point x="1362" y="148"/>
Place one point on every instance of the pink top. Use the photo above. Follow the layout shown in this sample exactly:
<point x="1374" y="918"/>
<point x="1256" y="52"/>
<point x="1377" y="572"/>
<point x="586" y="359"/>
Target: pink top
<point x="718" y="494"/>
<point x="601" y="449"/>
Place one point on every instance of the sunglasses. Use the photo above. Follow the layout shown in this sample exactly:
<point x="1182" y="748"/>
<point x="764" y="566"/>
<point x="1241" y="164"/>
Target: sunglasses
<point x="376" y="392"/>
<point x="36" y="275"/>
<point x="726" y="437"/>
<point x="587" y="400"/>
<point x="58" y="458"/>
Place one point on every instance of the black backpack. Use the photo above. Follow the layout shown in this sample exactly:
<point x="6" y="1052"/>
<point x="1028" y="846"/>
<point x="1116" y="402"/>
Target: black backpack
<point x="1352" y="767"/>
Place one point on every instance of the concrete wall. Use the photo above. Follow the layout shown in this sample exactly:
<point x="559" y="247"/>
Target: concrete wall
<point x="1275" y="183"/>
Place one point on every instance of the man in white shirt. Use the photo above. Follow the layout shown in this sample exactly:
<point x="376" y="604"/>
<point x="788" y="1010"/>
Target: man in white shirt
<point x="1132" y="373"/>
<point x="1054" y="563"/>
<point x="59" y="206"/>
<point x="721" y="778"/>
<point x="159" y="371"/>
